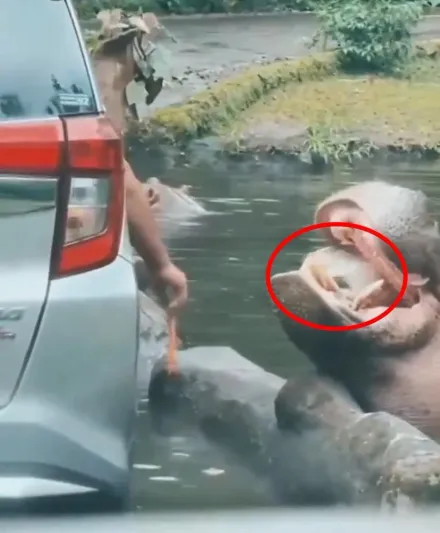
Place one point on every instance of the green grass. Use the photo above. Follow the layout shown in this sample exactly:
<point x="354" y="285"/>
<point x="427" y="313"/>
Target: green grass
<point x="213" y="109"/>
<point x="384" y="110"/>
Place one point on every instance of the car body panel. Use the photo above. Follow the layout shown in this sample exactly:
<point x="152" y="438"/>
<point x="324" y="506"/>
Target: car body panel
<point x="27" y="208"/>
<point x="72" y="417"/>
<point x="68" y="373"/>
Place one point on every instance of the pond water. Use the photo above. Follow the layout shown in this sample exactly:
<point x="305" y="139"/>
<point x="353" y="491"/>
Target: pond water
<point x="225" y="256"/>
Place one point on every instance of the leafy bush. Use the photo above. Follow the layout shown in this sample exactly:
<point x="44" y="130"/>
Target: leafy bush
<point x="371" y="35"/>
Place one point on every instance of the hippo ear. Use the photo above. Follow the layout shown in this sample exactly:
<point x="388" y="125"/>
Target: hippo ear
<point x="153" y="196"/>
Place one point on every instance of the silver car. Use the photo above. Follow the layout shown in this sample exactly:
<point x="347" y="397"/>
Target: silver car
<point x="68" y="297"/>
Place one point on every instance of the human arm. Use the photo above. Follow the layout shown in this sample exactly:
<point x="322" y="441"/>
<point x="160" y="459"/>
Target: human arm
<point x="146" y="240"/>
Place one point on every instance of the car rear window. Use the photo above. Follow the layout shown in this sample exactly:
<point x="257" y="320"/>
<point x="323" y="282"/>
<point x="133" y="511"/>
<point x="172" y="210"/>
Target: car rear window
<point x="42" y="68"/>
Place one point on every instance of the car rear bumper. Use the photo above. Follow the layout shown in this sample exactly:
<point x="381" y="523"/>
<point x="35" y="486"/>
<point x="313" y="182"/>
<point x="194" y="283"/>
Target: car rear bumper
<point x="36" y="462"/>
<point x="70" y="424"/>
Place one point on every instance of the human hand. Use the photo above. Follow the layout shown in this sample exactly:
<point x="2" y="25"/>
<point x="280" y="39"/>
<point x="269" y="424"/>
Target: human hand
<point x="171" y="278"/>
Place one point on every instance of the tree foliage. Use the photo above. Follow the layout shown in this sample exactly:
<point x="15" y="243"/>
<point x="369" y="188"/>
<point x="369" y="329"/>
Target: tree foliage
<point x="372" y="35"/>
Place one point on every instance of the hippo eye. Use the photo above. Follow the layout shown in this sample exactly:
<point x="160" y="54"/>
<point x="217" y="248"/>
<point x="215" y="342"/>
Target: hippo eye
<point x="341" y="282"/>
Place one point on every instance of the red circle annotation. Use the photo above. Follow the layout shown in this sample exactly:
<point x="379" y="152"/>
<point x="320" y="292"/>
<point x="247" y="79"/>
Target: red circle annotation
<point x="322" y="225"/>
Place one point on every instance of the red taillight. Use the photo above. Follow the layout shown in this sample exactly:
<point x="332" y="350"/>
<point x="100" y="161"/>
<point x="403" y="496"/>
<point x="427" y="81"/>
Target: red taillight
<point x="86" y="154"/>
<point x="95" y="207"/>
<point x="32" y="147"/>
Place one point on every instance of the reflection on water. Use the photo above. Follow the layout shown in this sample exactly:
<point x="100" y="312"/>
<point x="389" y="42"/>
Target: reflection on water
<point x="225" y="258"/>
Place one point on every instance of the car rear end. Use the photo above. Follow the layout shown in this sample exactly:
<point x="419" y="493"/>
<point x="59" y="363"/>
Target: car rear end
<point x="68" y="298"/>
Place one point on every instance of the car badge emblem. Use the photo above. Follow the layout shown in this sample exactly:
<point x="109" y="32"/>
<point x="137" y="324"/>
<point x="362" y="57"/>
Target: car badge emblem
<point x="6" y="335"/>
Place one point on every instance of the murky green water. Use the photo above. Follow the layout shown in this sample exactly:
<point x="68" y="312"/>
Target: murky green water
<point x="225" y="256"/>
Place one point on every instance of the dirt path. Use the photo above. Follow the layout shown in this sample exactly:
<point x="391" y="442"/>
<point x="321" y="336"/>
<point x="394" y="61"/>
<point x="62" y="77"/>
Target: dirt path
<point x="212" y="47"/>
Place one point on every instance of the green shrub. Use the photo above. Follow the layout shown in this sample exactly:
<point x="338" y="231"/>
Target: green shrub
<point x="371" y="35"/>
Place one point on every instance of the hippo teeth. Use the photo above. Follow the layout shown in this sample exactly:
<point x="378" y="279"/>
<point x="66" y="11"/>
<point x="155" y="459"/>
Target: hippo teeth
<point x="367" y="297"/>
<point x="373" y="295"/>
<point x="321" y="275"/>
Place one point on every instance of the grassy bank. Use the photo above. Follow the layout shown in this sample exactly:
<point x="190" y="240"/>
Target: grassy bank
<point x="212" y="110"/>
<point x="309" y="106"/>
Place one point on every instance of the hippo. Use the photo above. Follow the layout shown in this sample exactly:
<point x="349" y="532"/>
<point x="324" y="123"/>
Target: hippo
<point x="171" y="202"/>
<point x="392" y="365"/>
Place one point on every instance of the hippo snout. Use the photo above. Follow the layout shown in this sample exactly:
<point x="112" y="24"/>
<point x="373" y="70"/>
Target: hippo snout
<point x="283" y="283"/>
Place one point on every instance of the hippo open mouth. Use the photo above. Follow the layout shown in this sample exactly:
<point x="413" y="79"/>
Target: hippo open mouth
<point x="326" y="288"/>
<point x="333" y="287"/>
<point x="354" y="279"/>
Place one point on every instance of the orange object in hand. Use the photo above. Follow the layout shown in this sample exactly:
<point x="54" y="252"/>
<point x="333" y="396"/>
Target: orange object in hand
<point x="172" y="346"/>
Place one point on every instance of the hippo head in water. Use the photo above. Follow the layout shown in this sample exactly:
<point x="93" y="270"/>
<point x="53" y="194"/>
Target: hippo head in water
<point x="394" y="364"/>
<point x="172" y="202"/>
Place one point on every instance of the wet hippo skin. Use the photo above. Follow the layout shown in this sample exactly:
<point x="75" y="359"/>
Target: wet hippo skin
<point x="392" y="365"/>
<point x="172" y="202"/>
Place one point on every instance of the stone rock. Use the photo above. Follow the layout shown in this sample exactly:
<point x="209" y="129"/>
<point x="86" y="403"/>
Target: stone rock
<point x="223" y="391"/>
<point x="306" y="436"/>
<point x="392" y="455"/>
<point x="232" y="401"/>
